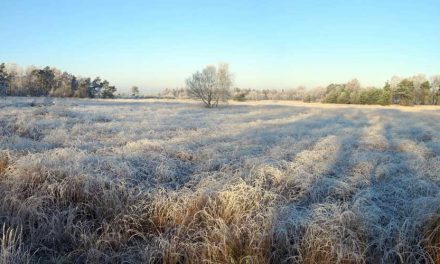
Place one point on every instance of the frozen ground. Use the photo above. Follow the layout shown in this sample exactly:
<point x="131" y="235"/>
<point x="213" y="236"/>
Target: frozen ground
<point x="126" y="181"/>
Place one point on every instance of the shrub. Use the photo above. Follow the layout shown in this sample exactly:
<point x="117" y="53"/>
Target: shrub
<point x="240" y="95"/>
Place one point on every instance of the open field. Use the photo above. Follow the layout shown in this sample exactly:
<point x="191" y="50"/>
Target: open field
<point x="134" y="181"/>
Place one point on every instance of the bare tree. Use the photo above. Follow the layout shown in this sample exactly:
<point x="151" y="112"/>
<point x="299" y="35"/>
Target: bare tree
<point x="211" y="85"/>
<point x="224" y="82"/>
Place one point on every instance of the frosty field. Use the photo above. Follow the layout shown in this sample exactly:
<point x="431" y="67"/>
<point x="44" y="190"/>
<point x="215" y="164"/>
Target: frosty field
<point x="144" y="181"/>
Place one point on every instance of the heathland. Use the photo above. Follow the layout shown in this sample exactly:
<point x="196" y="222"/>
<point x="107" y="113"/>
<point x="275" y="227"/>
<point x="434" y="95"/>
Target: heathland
<point x="157" y="181"/>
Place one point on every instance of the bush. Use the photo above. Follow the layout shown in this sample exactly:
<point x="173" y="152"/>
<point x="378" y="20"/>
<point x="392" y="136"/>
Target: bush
<point x="240" y="95"/>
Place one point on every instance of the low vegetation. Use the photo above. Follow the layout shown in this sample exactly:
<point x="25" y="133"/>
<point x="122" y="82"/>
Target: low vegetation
<point x="415" y="90"/>
<point x="89" y="181"/>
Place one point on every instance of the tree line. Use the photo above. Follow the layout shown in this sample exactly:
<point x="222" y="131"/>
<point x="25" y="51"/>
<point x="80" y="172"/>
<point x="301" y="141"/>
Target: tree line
<point x="415" y="90"/>
<point x="214" y="84"/>
<point x="50" y="81"/>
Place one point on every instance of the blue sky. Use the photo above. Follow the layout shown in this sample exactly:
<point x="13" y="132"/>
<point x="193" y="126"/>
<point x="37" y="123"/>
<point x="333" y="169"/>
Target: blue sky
<point x="269" y="44"/>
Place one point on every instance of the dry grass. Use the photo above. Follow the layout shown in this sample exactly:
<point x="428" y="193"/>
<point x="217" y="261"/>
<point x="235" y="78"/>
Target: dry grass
<point x="127" y="181"/>
<point x="4" y="161"/>
<point x="432" y="236"/>
<point x="12" y="250"/>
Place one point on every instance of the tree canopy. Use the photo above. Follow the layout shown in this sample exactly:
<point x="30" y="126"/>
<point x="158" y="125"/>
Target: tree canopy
<point x="49" y="81"/>
<point x="211" y="85"/>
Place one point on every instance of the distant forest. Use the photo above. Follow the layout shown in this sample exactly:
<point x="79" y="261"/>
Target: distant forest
<point x="49" y="81"/>
<point x="415" y="90"/>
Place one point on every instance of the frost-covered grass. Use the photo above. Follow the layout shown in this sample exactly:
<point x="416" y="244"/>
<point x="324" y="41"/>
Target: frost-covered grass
<point x="85" y="181"/>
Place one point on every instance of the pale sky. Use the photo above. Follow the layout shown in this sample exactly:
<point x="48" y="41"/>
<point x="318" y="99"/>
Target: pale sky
<point x="268" y="44"/>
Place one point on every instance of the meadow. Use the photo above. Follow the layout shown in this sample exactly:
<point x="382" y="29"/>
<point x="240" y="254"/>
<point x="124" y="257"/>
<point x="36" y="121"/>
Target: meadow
<point x="157" y="181"/>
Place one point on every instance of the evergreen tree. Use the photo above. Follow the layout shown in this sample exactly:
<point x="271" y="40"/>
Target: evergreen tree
<point x="107" y="90"/>
<point x="4" y="80"/>
<point x="43" y="80"/>
<point x="386" y="96"/>
<point x="94" y="89"/>
<point x="134" y="91"/>
<point x="425" y="88"/>
<point x="405" y="92"/>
